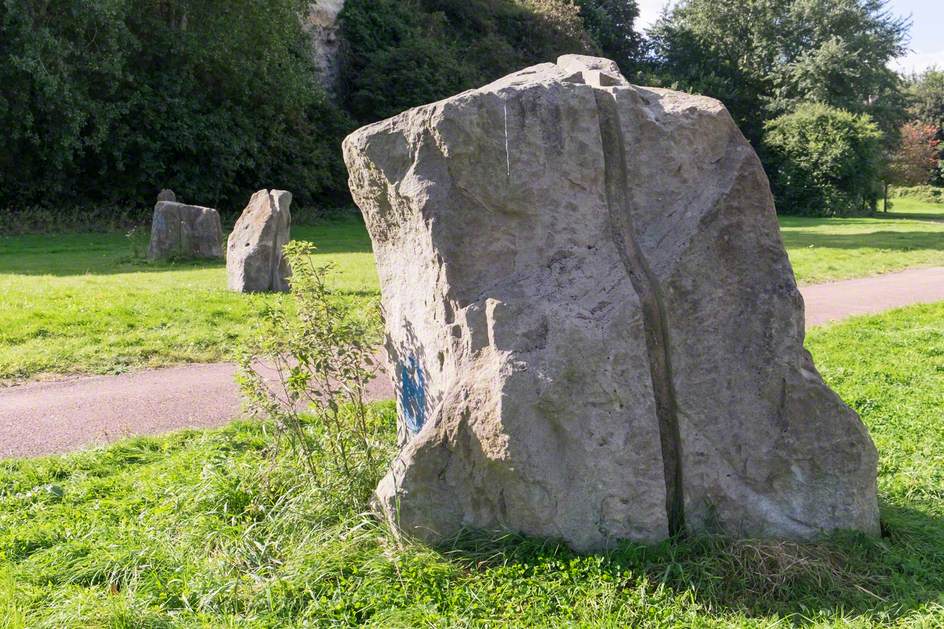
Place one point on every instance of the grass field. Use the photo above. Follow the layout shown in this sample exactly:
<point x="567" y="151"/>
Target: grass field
<point x="81" y="303"/>
<point x="211" y="529"/>
<point x="823" y="249"/>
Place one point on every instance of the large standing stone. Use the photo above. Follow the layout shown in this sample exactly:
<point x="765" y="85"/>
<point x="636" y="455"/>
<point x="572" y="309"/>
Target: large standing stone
<point x="593" y="323"/>
<point x="254" y="260"/>
<point x="185" y="231"/>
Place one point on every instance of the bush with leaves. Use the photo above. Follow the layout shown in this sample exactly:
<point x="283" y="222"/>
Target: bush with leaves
<point x="763" y="58"/>
<point x="925" y="94"/>
<point x="308" y="371"/>
<point x="610" y="24"/>
<point x="915" y="162"/>
<point x="404" y="53"/>
<point x="107" y="101"/>
<point x="927" y="194"/>
<point x="824" y="161"/>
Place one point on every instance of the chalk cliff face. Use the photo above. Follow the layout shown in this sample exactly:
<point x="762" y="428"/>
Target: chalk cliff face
<point x="593" y="325"/>
<point x="321" y="23"/>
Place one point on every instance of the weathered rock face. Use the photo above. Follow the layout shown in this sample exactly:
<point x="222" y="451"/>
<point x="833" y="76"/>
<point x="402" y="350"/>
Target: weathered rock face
<point x="321" y="24"/>
<point x="254" y="260"/>
<point x="185" y="231"/>
<point x="166" y="195"/>
<point x="594" y="326"/>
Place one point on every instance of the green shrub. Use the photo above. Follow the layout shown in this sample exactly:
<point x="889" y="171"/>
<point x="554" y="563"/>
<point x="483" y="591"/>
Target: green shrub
<point x="107" y="101"/>
<point x="824" y="161"/>
<point x="928" y="194"/>
<point x="404" y="53"/>
<point x="319" y="358"/>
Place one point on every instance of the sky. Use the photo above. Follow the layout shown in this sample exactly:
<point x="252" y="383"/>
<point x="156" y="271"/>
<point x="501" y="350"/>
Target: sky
<point x="927" y="30"/>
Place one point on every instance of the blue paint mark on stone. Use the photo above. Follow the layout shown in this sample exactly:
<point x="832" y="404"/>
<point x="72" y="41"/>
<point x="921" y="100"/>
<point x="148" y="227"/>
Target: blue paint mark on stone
<point x="413" y="394"/>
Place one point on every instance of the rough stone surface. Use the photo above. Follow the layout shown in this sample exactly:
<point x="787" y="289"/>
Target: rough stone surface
<point x="185" y="231"/>
<point x="321" y="24"/>
<point x="166" y="195"/>
<point x="254" y="260"/>
<point x="592" y="324"/>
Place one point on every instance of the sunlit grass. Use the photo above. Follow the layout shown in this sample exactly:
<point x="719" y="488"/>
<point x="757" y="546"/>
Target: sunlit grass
<point x="217" y="529"/>
<point x="80" y="303"/>
<point x="823" y="249"/>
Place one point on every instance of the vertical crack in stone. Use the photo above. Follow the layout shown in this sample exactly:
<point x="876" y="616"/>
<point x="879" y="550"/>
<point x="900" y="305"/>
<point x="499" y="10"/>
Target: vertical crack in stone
<point x="653" y="309"/>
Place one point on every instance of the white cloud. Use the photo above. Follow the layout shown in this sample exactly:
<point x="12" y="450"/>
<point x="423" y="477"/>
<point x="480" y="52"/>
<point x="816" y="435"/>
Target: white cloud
<point x="649" y="12"/>
<point x="918" y="61"/>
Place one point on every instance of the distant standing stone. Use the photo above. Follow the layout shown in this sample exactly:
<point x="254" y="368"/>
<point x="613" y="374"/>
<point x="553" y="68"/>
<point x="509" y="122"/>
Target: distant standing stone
<point x="254" y="260"/>
<point x="166" y="195"/>
<point x="185" y="231"/>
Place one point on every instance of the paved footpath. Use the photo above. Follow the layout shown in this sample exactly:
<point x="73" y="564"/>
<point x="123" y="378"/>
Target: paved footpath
<point x="49" y="417"/>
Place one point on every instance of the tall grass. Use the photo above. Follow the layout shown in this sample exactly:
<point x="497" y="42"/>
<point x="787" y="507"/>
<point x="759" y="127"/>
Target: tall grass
<point x="228" y="529"/>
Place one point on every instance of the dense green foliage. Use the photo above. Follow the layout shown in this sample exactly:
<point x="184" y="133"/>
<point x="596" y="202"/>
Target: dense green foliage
<point x="610" y="24"/>
<point x="925" y="94"/>
<point x="926" y="97"/>
<point x="762" y="58"/>
<point x="765" y="59"/>
<point x="404" y="53"/>
<point x="107" y="101"/>
<point x="927" y="194"/>
<point x="225" y="529"/>
<point x="824" y="161"/>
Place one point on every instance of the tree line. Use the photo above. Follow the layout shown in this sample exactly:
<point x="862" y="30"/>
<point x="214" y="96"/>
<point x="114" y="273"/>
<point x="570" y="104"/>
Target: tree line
<point x="107" y="101"/>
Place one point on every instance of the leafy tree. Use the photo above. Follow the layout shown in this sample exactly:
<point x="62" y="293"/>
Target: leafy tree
<point x="107" y="101"/>
<point x="404" y="53"/>
<point x="916" y="160"/>
<point x="824" y="161"/>
<point x="926" y="105"/>
<point x="926" y="96"/>
<point x="763" y="58"/>
<point x="610" y="24"/>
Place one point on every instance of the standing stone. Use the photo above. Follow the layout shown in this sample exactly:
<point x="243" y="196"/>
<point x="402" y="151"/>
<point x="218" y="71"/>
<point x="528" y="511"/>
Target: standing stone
<point x="185" y="231"/>
<point x="254" y="260"/>
<point x="166" y="195"/>
<point x="595" y="332"/>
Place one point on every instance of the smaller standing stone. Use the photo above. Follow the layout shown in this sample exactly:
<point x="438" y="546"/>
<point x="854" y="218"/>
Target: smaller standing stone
<point x="185" y="231"/>
<point x="254" y="260"/>
<point x="166" y="195"/>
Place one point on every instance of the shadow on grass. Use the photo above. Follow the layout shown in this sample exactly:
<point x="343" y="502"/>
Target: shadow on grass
<point x="846" y="574"/>
<point x="64" y="255"/>
<point x="891" y="240"/>
<point x="914" y="216"/>
<point x="872" y="220"/>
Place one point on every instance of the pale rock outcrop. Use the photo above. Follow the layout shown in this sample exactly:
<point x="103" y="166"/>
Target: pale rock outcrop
<point x="185" y="231"/>
<point x="166" y="195"/>
<point x="592" y="323"/>
<point x="254" y="260"/>
<point x="321" y="24"/>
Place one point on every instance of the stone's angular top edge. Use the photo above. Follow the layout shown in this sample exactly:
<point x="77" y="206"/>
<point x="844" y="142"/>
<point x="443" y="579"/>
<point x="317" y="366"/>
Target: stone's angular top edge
<point x="280" y="195"/>
<point x="177" y="204"/>
<point x="279" y="200"/>
<point x="596" y="72"/>
<point x="532" y="75"/>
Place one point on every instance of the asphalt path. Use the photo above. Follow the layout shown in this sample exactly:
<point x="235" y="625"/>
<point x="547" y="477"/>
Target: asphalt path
<point x="59" y="416"/>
